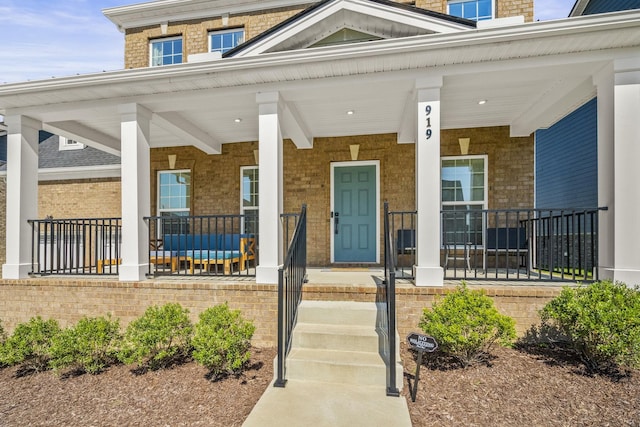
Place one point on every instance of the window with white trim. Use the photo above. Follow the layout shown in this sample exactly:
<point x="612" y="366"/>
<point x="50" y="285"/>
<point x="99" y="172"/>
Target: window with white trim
<point x="69" y="144"/>
<point x="249" y="198"/>
<point x="464" y="196"/>
<point x="476" y="10"/>
<point x="224" y="40"/>
<point x="174" y="198"/>
<point x="165" y="51"/>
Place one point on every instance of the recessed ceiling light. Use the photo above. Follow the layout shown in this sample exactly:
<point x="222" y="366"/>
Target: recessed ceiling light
<point x="350" y="113"/>
<point x="482" y="102"/>
<point x="238" y="120"/>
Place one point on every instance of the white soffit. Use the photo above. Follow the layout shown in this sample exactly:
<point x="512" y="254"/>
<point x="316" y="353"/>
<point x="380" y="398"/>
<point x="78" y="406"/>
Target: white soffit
<point x="378" y="19"/>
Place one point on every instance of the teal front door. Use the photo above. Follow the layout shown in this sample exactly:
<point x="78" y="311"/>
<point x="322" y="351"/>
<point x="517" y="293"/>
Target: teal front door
<point x="354" y="214"/>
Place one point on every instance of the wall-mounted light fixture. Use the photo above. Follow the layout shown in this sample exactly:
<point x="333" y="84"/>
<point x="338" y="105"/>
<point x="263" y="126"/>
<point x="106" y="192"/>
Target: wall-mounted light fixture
<point x="172" y="160"/>
<point x="355" y="149"/>
<point x="464" y="145"/>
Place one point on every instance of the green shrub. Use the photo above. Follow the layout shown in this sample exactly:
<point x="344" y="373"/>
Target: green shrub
<point x="602" y="323"/>
<point x="3" y="335"/>
<point x="159" y="338"/>
<point x="29" y="344"/>
<point x="466" y="325"/>
<point x="222" y="340"/>
<point x="91" y="345"/>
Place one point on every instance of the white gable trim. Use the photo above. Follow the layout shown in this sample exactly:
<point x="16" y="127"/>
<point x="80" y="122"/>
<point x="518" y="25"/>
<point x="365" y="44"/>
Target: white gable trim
<point x="360" y="15"/>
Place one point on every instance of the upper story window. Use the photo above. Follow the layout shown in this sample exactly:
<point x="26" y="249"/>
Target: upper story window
<point x="69" y="144"/>
<point x="224" y="40"/>
<point x="166" y="51"/>
<point x="476" y="10"/>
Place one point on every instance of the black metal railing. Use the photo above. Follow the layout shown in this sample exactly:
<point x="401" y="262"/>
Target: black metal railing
<point x="402" y="226"/>
<point x="291" y="277"/>
<point x="289" y="223"/>
<point x="388" y="299"/>
<point x="521" y="244"/>
<point x="76" y="246"/>
<point x="211" y="245"/>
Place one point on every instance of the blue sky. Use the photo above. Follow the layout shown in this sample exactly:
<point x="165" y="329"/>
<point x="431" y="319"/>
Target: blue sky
<point x="55" y="38"/>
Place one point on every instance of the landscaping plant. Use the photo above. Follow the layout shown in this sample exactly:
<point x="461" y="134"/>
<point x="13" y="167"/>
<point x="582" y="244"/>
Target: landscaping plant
<point x="29" y="345"/>
<point x="91" y="345"/>
<point x="466" y="325"/>
<point x="158" y="338"/>
<point x="601" y="322"/>
<point x="222" y="340"/>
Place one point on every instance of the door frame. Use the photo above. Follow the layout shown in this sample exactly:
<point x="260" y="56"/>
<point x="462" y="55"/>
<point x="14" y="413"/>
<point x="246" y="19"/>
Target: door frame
<point x="335" y="165"/>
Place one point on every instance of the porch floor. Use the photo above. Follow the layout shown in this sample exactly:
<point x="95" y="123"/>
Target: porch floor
<point x="367" y="277"/>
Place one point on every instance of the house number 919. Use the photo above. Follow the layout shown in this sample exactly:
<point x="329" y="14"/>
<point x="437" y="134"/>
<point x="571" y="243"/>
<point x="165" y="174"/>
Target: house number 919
<point x="429" y="132"/>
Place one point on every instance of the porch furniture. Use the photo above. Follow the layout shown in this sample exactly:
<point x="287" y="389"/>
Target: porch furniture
<point x="206" y="250"/>
<point x="162" y="257"/>
<point x="450" y="253"/>
<point x="406" y="241"/>
<point x="104" y="262"/>
<point x="508" y="241"/>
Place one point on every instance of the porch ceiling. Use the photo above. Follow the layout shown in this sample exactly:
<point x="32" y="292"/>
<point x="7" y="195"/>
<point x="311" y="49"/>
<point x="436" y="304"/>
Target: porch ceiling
<point x="530" y="75"/>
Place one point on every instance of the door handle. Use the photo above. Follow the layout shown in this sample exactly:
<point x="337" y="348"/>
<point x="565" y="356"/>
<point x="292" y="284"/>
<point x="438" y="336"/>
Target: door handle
<point x="336" y="221"/>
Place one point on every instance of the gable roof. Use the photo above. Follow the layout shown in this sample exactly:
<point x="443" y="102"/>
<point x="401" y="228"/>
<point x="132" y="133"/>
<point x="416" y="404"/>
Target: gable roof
<point x="50" y="158"/>
<point x="590" y="7"/>
<point x="380" y="18"/>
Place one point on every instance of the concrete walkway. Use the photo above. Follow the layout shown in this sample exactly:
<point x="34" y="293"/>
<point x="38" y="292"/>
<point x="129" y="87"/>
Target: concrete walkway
<point x="317" y="404"/>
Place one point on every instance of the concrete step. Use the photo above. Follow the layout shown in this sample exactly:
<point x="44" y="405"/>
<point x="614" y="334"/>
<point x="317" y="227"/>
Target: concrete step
<point x="344" y="367"/>
<point x="338" y="313"/>
<point x="335" y="337"/>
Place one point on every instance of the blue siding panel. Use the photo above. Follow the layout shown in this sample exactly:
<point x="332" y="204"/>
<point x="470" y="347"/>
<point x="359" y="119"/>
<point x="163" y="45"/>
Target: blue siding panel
<point x="603" y="6"/>
<point x="3" y="148"/>
<point x="567" y="161"/>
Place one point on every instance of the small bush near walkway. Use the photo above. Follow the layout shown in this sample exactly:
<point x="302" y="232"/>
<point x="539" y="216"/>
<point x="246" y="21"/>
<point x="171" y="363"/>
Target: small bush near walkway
<point x="601" y="322"/>
<point x="90" y="346"/>
<point x="466" y="325"/>
<point x="222" y="340"/>
<point x="159" y="338"/>
<point x="29" y="345"/>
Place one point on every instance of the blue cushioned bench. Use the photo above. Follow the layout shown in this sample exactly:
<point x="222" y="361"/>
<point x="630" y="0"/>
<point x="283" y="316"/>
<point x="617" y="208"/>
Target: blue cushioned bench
<point x="208" y="250"/>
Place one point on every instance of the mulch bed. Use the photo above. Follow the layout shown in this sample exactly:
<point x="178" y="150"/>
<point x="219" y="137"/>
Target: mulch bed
<point x="180" y="396"/>
<point x="521" y="387"/>
<point x="526" y="387"/>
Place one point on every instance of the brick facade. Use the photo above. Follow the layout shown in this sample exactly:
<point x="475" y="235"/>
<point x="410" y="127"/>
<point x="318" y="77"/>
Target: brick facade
<point x="89" y="198"/>
<point x="194" y="33"/>
<point x="70" y="300"/>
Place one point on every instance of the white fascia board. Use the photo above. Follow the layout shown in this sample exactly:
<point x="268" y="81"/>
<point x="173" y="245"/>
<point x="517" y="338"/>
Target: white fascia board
<point x="579" y="7"/>
<point x="156" y="12"/>
<point x="75" y="173"/>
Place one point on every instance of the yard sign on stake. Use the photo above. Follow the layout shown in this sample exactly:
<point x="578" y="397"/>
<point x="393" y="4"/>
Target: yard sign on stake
<point x="421" y="343"/>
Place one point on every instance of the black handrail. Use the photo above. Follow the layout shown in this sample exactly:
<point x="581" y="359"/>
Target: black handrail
<point x="390" y="300"/>
<point x="291" y="277"/>
<point x="75" y="246"/>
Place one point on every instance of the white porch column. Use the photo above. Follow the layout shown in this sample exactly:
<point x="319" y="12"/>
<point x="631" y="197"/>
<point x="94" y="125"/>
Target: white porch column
<point x="136" y="199"/>
<point x="428" y="271"/>
<point x="22" y="193"/>
<point x="606" y="225"/>
<point x="271" y="187"/>
<point x="626" y="156"/>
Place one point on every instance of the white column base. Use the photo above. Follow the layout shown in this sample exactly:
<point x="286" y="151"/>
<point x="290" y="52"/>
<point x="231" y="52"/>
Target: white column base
<point x="267" y="275"/>
<point x="16" y="271"/>
<point x="605" y="273"/>
<point x="133" y="273"/>
<point x="429" y="276"/>
<point x="627" y="276"/>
